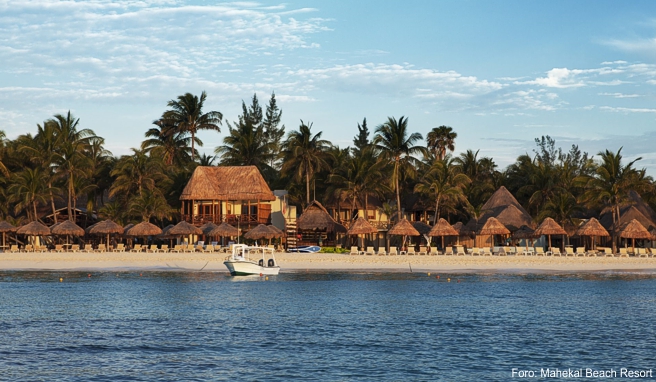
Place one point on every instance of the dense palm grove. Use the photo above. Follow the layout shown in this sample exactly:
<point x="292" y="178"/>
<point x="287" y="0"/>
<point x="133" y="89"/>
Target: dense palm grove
<point x="65" y="162"/>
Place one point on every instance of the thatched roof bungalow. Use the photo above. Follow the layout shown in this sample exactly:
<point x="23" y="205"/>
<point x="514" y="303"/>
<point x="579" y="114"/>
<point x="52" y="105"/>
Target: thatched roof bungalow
<point x="316" y="218"/>
<point x="503" y="206"/>
<point x="232" y="194"/>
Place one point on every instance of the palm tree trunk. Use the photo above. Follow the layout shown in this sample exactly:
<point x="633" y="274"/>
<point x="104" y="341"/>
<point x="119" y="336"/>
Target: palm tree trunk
<point x="34" y="206"/>
<point x="366" y="206"/>
<point x="307" y="186"/>
<point x="398" y="194"/>
<point x="70" y="186"/>
<point x="192" y="145"/>
<point x="437" y="209"/>
<point x="52" y="203"/>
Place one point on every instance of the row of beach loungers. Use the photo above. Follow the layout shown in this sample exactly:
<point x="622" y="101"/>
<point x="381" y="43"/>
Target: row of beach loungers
<point x="505" y="251"/>
<point x="121" y="248"/>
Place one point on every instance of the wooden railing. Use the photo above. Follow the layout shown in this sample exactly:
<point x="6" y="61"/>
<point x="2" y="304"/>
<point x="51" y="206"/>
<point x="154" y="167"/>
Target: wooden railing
<point x="376" y="224"/>
<point x="232" y="219"/>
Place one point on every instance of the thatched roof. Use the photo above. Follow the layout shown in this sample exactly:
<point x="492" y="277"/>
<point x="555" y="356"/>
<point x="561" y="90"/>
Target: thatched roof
<point x="461" y="229"/>
<point x="493" y="227"/>
<point x="105" y="227"/>
<point x="442" y="228"/>
<point x="207" y="228"/>
<point x="550" y="227"/>
<point x="276" y="230"/>
<point x="626" y="215"/>
<point x="183" y="228"/>
<point x="316" y="217"/>
<point x="421" y="227"/>
<point x="525" y="232"/>
<point x="223" y="230"/>
<point x="33" y="229"/>
<point x="227" y="183"/>
<point x="635" y="230"/>
<point x="592" y="228"/>
<point x="503" y="206"/>
<point x="260" y="232"/>
<point x="361" y="226"/>
<point x="7" y="227"/>
<point x="403" y="228"/>
<point x="165" y="232"/>
<point x="144" y="229"/>
<point x="67" y="227"/>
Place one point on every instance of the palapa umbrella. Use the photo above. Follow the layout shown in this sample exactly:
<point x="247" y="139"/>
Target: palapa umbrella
<point x="493" y="227"/>
<point x="525" y="232"/>
<point x="550" y="227"/>
<point x="143" y="229"/>
<point x="361" y="227"/>
<point x="404" y="228"/>
<point x="224" y="230"/>
<point x="260" y="232"/>
<point x="105" y="227"/>
<point x="68" y="228"/>
<point x="423" y="230"/>
<point x="34" y="228"/>
<point x="593" y="229"/>
<point x="442" y="228"/>
<point x="634" y="230"/>
<point x="184" y="229"/>
<point x="4" y="228"/>
<point x="207" y="228"/>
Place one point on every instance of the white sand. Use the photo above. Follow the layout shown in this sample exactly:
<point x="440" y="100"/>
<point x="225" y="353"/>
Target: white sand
<point x="290" y="262"/>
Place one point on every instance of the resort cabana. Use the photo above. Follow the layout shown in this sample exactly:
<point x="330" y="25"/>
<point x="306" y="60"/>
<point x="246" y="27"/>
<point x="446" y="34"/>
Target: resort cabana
<point x="493" y="227"/>
<point x="403" y="228"/>
<point x="593" y="229"/>
<point x="442" y="228"/>
<point x="315" y="221"/>
<point x="503" y="206"/>
<point x="105" y="227"/>
<point x="67" y="228"/>
<point x="33" y="229"/>
<point x="361" y="227"/>
<point x="4" y="228"/>
<point x="550" y="227"/>
<point x="634" y="230"/>
<point x="238" y="195"/>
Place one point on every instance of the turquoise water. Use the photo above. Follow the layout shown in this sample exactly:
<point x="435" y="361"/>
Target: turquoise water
<point x="320" y="326"/>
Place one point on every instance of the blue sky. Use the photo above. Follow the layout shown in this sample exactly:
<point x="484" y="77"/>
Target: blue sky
<point x="500" y="73"/>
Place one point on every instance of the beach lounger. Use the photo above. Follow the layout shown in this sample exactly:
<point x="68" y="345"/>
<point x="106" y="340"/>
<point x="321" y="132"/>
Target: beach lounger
<point x="569" y="252"/>
<point x="475" y="251"/>
<point x="591" y="253"/>
<point x="370" y="251"/>
<point x="459" y="250"/>
<point x="422" y="251"/>
<point x="164" y="248"/>
<point x="504" y="251"/>
<point x="485" y="251"/>
<point x="650" y="251"/>
<point x="554" y="251"/>
<point x="41" y="248"/>
<point x="354" y="250"/>
<point x="580" y="251"/>
<point x="199" y="248"/>
<point x="608" y="252"/>
<point x="28" y="248"/>
<point x="14" y="248"/>
<point x="152" y="248"/>
<point x="208" y="248"/>
<point x="448" y="251"/>
<point x="136" y="248"/>
<point x="393" y="251"/>
<point x="539" y="251"/>
<point x="641" y="252"/>
<point x="623" y="252"/>
<point x="381" y="251"/>
<point x="528" y="251"/>
<point x="411" y="251"/>
<point x="120" y="247"/>
<point x="88" y="248"/>
<point x="75" y="248"/>
<point x="101" y="248"/>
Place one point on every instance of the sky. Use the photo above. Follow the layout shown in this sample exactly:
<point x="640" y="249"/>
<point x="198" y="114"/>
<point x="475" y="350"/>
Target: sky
<point x="499" y="73"/>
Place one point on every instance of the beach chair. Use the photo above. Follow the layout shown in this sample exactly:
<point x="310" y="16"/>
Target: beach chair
<point x="120" y="247"/>
<point x="623" y="252"/>
<point x="411" y="251"/>
<point x="475" y="251"/>
<point x="580" y="251"/>
<point x="75" y="248"/>
<point x="650" y="252"/>
<point x="393" y="251"/>
<point x="152" y="248"/>
<point x="101" y="248"/>
<point x="163" y="248"/>
<point x="422" y="251"/>
<point x="503" y="251"/>
<point x="554" y="251"/>
<point x="608" y="252"/>
<point x="136" y="248"/>
<point x="459" y="250"/>
<point x="177" y="248"/>
<point x="485" y="251"/>
<point x="28" y="248"/>
<point x="591" y="253"/>
<point x="448" y="251"/>
<point x="41" y="248"/>
<point x="354" y="250"/>
<point x="381" y="251"/>
<point x="88" y="248"/>
<point x="14" y="248"/>
<point x="370" y="251"/>
<point x="539" y="251"/>
<point x="641" y="252"/>
<point x="569" y="252"/>
<point x="528" y="251"/>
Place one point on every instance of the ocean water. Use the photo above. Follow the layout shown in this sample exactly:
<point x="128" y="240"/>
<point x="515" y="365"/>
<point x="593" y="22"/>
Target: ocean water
<point x="173" y="326"/>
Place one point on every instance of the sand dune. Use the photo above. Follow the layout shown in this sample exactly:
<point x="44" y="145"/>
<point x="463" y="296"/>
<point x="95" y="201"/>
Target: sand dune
<point x="290" y="262"/>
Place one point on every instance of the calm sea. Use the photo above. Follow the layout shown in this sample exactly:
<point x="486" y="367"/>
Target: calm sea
<point x="174" y="326"/>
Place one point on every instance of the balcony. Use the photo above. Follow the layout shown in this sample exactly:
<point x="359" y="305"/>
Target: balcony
<point x="232" y="219"/>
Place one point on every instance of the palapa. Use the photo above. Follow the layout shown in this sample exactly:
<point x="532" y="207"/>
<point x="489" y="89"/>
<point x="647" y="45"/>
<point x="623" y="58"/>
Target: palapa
<point x="165" y="232"/>
<point x="593" y="229"/>
<point x="493" y="227"/>
<point x="635" y="230"/>
<point x="184" y="229"/>
<point x="144" y="229"/>
<point x="278" y="232"/>
<point x="227" y="183"/>
<point x="207" y="228"/>
<point x="421" y="227"/>
<point x="4" y="228"/>
<point x="316" y="217"/>
<point x="34" y="228"/>
<point x="525" y="232"/>
<point x="403" y="228"/>
<point x="503" y="206"/>
<point x="361" y="226"/>
<point x="442" y="228"/>
<point x="260" y="232"/>
<point x="105" y="227"/>
<point x="224" y="230"/>
<point x="550" y="227"/>
<point x="67" y="228"/>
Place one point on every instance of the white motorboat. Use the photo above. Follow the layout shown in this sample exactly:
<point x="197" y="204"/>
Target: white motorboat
<point x="241" y="263"/>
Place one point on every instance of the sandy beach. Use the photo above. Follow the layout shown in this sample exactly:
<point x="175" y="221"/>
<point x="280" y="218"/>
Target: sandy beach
<point x="294" y="262"/>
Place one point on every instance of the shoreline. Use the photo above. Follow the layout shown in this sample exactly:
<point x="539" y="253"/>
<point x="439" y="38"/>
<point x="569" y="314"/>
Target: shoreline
<point x="295" y="262"/>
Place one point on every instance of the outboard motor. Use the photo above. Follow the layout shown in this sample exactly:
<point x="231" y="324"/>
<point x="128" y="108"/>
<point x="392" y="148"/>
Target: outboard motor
<point x="271" y="263"/>
<point x="261" y="262"/>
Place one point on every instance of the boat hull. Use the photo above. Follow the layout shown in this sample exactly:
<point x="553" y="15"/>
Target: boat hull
<point x="244" y="268"/>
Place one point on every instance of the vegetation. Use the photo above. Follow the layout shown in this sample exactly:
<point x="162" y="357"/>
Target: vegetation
<point x="65" y="162"/>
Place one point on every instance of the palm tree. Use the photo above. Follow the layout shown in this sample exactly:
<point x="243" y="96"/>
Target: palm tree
<point x="562" y="206"/>
<point x="611" y="184"/>
<point x="441" y="139"/>
<point x="136" y="173"/>
<point x="396" y="147"/>
<point x="304" y="154"/>
<point x="149" y="204"/>
<point x="187" y="114"/>
<point x="29" y="188"/>
<point x="167" y="142"/>
<point x="3" y="139"/>
<point x="442" y="182"/>
<point x="245" y="146"/>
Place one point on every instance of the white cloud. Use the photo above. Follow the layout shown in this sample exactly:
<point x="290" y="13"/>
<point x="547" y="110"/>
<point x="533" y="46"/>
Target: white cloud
<point x="558" y="78"/>
<point x="645" y="45"/>
<point x="627" y="109"/>
<point x="619" y="95"/>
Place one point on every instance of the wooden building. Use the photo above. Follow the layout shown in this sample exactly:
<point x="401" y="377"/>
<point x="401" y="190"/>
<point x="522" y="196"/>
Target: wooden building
<point x="238" y="195"/>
